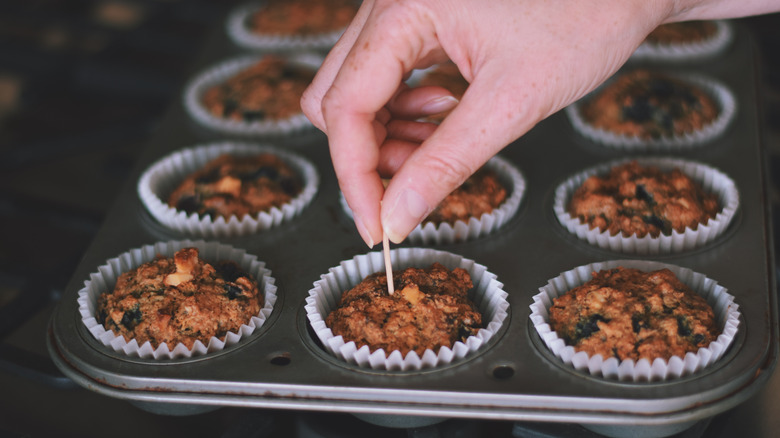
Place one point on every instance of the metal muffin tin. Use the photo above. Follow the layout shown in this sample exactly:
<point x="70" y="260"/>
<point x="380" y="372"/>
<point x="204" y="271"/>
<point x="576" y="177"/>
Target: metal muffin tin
<point x="514" y="377"/>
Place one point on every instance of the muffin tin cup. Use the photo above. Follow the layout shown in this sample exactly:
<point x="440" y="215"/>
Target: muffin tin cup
<point x="724" y="98"/>
<point x="711" y="180"/>
<point x="723" y="36"/>
<point x="488" y="295"/>
<point x="165" y="175"/>
<point x="243" y="36"/>
<point x="726" y="316"/>
<point x="429" y="233"/>
<point x="223" y="71"/>
<point x="105" y="278"/>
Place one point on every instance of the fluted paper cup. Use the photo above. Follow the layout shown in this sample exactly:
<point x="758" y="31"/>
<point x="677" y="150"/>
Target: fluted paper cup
<point x="104" y="280"/>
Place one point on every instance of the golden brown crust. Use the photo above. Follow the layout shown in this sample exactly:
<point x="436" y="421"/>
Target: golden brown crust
<point x="271" y="89"/>
<point x="683" y="32"/>
<point x="637" y="200"/>
<point x="481" y="193"/>
<point x="179" y="300"/>
<point x="237" y="186"/>
<point x="430" y="309"/>
<point x="302" y="17"/>
<point x="650" y="105"/>
<point x="629" y="314"/>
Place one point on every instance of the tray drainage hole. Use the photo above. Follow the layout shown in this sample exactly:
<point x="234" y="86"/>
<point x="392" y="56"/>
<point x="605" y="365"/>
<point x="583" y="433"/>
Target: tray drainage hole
<point x="503" y="372"/>
<point x="282" y="359"/>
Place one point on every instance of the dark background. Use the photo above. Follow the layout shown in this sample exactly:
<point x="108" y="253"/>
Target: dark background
<point x="83" y="84"/>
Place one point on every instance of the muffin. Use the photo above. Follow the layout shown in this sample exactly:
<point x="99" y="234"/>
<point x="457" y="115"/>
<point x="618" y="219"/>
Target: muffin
<point x="630" y="314"/>
<point x="269" y="89"/>
<point x="635" y="320"/>
<point x="430" y="309"/>
<point x="685" y="41"/>
<point x="643" y="108"/>
<point x="236" y="186"/>
<point x="478" y="208"/>
<point x="447" y="76"/>
<point x="434" y="317"/>
<point x="647" y="205"/>
<point x="636" y="200"/>
<point x="177" y="299"/>
<point x="180" y="300"/>
<point x="228" y="189"/>
<point x="481" y="193"/>
<point x="257" y="95"/>
<point x="283" y="25"/>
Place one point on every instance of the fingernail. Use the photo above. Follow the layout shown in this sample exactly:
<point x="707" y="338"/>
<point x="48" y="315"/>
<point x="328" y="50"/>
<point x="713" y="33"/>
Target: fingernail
<point x="364" y="232"/>
<point x="407" y="212"/>
<point x="440" y="104"/>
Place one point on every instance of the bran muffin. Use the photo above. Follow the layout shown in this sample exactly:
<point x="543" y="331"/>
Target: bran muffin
<point x="642" y="200"/>
<point x="301" y="17"/>
<point x="270" y="89"/>
<point x="430" y="309"/>
<point x="683" y="32"/>
<point x="650" y="105"/>
<point x="180" y="300"/>
<point x="630" y="314"/>
<point x="481" y="193"/>
<point x="236" y="186"/>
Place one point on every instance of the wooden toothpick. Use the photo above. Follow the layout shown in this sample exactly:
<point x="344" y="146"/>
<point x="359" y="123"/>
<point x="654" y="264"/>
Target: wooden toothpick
<point x="388" y="265"/>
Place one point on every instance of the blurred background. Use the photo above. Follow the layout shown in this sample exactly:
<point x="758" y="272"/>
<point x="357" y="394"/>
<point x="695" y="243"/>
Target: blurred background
<point x="83" y="84"/>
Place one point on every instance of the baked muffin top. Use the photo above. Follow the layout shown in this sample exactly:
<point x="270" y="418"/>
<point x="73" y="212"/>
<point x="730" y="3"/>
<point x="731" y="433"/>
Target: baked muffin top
<point x="649" y="105"/>
<point x="180" y="300"/>
<point x="236" y="186"/>
<point x="270" y="89"/>
<point x="481" y="193"/>
<point x="630" y="314"/>
<point x="302" y="17"/>
<point x="683" y="32"/>
<point x="637" y="200"/>
<point x="430" y="309"/>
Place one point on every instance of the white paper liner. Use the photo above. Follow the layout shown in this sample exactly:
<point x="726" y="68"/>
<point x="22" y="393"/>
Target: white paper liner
<point x="157" y="182"/>
<point x="488" y="296"/>
<point x="223" y="71"/>
<point x="105" y="278"/>
<point x="710" y="179"/>
<point x="724" y="98"/>
<point x="441" y="234"/>
<point x="726" y="316"/>
<point x="243" y="36"/>
<point x="723" y="36"/>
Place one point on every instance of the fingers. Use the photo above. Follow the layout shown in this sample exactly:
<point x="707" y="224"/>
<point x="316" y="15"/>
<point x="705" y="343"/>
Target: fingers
<point x="412" y="103"/>
<point x="368" y="79"/>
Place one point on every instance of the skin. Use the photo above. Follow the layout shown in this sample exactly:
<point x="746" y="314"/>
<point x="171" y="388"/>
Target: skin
<point x="524" y="60"/>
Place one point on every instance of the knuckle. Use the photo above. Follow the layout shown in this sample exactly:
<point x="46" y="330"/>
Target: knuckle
<point x="447" y="171"/>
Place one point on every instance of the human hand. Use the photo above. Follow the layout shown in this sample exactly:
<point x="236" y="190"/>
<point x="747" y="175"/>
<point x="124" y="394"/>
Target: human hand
<point x="524" y="60"/>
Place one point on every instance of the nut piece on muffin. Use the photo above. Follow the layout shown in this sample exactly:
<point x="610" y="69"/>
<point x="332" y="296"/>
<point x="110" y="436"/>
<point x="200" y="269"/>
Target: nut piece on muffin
<point x="302" y="17"/>
<point x="430" y="309"/>
<point x="636" y="200"/>
<point x="685" y="32"/>
<point x="271" y="89"/>
<point x="180" y="299"/>
<point x="650" y="105"/>
<point x="236" y="186"/>
<point x="481" y="193"/>
<point x="630" y="314"/>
